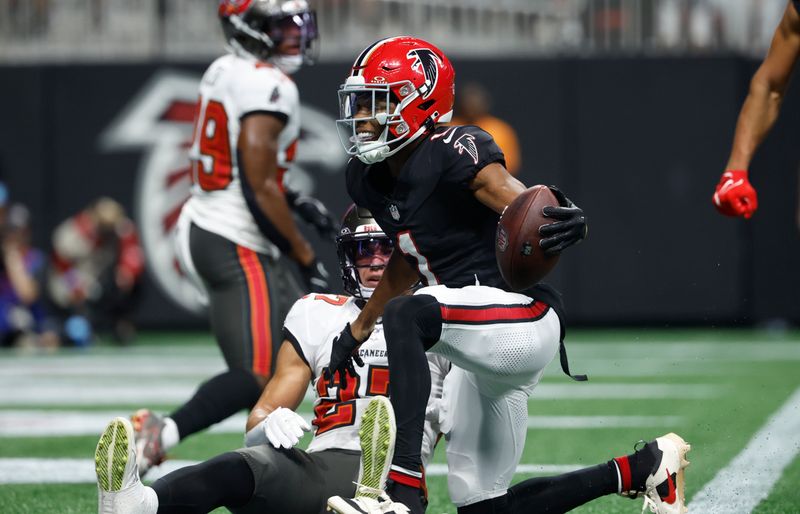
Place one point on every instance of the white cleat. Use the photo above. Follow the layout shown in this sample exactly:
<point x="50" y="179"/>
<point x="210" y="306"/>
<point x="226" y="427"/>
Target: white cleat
<point x="664" y="488"/>
<point x="366" y="505"/>
<point x="377" y="435"/>
<point x="119" y="490"/>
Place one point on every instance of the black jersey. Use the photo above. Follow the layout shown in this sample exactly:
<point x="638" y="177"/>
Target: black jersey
<point x="443" y="231"/>
<point x="796" y="5"/>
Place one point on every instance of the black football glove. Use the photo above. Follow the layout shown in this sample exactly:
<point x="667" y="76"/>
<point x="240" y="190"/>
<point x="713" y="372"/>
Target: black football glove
<point x="344" y="355"/>
<point x="316" y="277"/>
<point x="313" y="212"/>
<point x="569" y="229"/>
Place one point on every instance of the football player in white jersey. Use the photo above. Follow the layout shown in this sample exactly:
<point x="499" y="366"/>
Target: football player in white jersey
<point x="233" y="230"/>
<point x="270" y="474"/>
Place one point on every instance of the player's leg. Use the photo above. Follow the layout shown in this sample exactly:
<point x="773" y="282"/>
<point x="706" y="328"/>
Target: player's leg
<point x="412" y="325"/>
<point x="223" y="481"/>
<point x="296" y="482"/>
<point x="238" y="309"/>
<point x="655" y="470"/>
<point x="499" y="343"/>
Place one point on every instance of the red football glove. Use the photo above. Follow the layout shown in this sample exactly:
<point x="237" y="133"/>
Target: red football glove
<point x="734" y="195"/>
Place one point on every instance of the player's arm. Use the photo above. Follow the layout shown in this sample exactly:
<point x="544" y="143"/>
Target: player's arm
<point x="734" y="196"/>
<point x="273" y="418"/>
<point x="258" y="158"/>
<point x="398" y="278"/>
<point x="496" y="188"/>
<point x="767" y="89"/>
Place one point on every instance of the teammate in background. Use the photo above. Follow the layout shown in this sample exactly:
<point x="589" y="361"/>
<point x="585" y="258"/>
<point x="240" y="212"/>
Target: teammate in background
<point x="270" y="474"/>
<point x="734" y="195"/>
<point x="438" y="192"/>
<point x="473" y="108"/>
<point x="232" y="231"/>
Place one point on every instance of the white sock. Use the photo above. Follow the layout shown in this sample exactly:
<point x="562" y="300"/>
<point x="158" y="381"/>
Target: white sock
<point x="169" y="434"/>
<point x="150" y="502"/>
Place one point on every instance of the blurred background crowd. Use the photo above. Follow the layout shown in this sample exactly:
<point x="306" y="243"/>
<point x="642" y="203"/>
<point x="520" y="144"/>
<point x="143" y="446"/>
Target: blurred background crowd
<point x="136" y="29"/>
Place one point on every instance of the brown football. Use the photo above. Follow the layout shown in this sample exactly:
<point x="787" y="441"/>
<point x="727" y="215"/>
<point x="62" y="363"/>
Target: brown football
<point x="522" y="262"/>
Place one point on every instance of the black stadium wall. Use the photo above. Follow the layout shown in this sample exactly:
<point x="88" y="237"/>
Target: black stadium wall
<point x="638" y="143"/>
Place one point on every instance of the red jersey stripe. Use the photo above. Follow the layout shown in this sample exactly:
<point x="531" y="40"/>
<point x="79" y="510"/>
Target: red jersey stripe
<point x="492" y="313"/>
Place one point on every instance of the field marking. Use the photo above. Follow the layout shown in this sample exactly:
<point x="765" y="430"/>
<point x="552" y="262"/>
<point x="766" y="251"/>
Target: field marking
<point x="50" y="423"/>
<point x="751" y="475"/>
<point x="102" y="393"/>
<point x="81" y="471"/>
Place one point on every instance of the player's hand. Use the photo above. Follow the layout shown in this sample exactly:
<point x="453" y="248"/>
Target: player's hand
<point x="316" y="277"/>
<point x="313" y="212"/>
<point x="344" y="354"/>
<point x="735" y="195"/>
<point x="569" y="228"/>
<point x="282" y="428"/>
<point x="436" y="413"/>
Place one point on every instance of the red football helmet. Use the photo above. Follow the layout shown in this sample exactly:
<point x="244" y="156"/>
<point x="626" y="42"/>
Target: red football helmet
<point x="257" y="28"/>
<point x="409" y="84"/>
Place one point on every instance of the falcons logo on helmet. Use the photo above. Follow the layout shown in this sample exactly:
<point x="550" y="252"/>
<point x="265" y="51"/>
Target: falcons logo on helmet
<point x="466" y="143"/>
<point x="159" y="120"/>
<point x="426" y="61"/>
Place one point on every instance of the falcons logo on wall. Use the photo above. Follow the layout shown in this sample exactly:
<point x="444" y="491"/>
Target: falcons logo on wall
<point x="159" y="120"/>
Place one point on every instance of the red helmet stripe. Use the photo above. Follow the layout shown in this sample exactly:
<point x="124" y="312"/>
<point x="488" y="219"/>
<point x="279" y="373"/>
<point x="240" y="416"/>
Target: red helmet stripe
<point x="229" y="7"/>
<point x="362" y="59"/>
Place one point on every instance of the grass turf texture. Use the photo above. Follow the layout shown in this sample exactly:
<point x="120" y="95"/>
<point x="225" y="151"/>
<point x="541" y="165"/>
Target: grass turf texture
<point x="748" y="391"/>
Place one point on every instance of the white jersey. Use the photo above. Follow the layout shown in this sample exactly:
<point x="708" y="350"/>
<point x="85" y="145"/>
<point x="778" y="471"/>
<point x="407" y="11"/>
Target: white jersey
<point x="232" y="87"/>
<point x="312" y="324"/>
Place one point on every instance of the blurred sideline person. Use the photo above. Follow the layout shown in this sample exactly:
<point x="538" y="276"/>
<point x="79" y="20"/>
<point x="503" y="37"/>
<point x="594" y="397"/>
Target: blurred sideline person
<point x="438" y="192"/>
<point x="270" y="474"/>
<point x="473" y="108"/>
<point x="237" y="223"/>
<point x="734" y="195"/>
<point x="96" y="270"/>
<point x="23" y="318"/>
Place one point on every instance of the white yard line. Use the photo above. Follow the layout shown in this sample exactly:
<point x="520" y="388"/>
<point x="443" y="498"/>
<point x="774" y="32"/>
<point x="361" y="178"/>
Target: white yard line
<point x="102" y="393"/>
<point x="37" y="423"/>
<point x="81" y="471"/>
<point x="748" y="479"/>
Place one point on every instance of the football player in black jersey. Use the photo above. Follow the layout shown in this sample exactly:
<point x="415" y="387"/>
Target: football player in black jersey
<point x="438" y="191"/>
<point x="734" y="195"/>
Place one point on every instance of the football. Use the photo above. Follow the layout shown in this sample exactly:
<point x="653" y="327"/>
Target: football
<point x="522" y="262"/>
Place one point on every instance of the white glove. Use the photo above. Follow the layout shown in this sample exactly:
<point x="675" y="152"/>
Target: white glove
<point x="283" y="428"/>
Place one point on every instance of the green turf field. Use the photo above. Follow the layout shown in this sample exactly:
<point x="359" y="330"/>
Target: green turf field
<point x="717" y="388"/>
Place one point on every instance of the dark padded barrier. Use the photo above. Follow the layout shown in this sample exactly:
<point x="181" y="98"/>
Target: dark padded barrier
<point x="638" y="143"/>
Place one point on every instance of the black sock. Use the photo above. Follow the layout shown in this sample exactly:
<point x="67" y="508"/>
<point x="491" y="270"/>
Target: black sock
<point x="217" y="399"/>
<point x="636" y="467"/>
<point x="412" y="325"/>
<point x="497" y="505"/>
<point x="408" y="494"/>
<point x="224" y="481"/>
<point x="563" y="493"/>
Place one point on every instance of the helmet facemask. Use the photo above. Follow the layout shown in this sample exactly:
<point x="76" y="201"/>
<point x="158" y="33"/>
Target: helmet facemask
<point x="354" y="97"/>
<point x="360" y="237"/>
